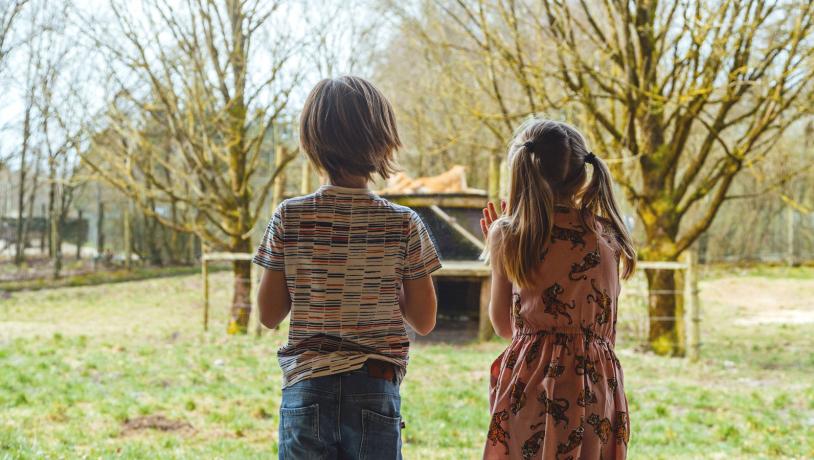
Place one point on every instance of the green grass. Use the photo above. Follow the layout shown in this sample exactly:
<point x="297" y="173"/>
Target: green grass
<point x="99" y="277"/>
<point x="77" y="365"/>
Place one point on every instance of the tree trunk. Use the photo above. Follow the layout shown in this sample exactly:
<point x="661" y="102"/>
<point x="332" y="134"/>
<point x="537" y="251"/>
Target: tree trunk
<point x="128" y="240"/>
<point x="100" y="228"/>
<point x="494" y="177"/>
<point x="44" y="229"/>
<point x="52" y="193"/>
<point x="306" y="184"/>
<point x="191" y="256"/>
<point x="665" y="305"/>
<point x="19" y="247"/>
<point x="666" y="313"/>
<point x="56" y="244"/>
<point x="80" y="237"/>
<point x="241" y="298"/>
<point x="32" y="198"/>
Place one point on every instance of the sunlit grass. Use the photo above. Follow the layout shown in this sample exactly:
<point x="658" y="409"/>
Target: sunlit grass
<point x="79" y="365"/>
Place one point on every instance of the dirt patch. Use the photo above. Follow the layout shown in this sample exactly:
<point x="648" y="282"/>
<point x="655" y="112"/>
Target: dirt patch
<point x="154" y="422"/>
<point x="755" y="300"/>
<point x="779" y="317"/>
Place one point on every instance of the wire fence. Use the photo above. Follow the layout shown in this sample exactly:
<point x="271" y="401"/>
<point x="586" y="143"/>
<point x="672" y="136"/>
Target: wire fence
<point x="633" y="324"/>
<point x="634" y="319"/>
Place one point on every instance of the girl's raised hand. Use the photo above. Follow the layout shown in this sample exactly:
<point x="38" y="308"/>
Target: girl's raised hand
<point x="489" y="216"/>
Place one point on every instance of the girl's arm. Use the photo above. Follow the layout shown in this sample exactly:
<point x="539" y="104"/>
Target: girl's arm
<point x="272" y="298"/>
<point x="500" y="305"/>
<point x="418" y="304"/>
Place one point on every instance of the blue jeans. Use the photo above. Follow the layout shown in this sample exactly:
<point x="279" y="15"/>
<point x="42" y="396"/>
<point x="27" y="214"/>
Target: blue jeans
<point x="342" y="416"/>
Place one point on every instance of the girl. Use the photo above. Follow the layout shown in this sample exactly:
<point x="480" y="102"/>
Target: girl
<point x="557" y="391"/>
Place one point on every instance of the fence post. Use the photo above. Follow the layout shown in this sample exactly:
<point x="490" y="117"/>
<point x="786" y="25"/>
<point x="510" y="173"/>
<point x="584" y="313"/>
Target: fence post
<point x="255" y="275"/>
<point x="691" y="296"/>
<point x="205" y="274"/>
<point x="485" y="331"/>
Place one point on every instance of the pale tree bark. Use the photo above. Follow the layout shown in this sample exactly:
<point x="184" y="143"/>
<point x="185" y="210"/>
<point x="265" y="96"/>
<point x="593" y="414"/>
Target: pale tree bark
<point x="10" y="12"/>
<point x="680" y="97"/>
<point x="33" y="74"/>
<point x="196" y="125"/>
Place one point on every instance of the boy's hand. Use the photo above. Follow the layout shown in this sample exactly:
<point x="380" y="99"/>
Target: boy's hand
<point x="489" y="216"/>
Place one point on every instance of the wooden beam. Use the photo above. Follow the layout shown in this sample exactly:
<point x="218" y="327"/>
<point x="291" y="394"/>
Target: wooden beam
<point x="228" y="256"/>
<point x="660" y="265"/>
<point x="463" y="269"/>
<point x="205" y="276"/>
<point x="457" y="227"/>
<point x="485" y="331"/>
<point x="443" y="200"/>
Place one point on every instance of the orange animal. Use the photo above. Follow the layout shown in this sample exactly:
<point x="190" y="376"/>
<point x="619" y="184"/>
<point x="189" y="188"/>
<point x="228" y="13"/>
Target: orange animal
<point x="451" y="181"/>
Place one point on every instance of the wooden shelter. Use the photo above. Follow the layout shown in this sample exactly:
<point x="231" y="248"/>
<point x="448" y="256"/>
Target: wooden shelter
<point x="452" y="211"/>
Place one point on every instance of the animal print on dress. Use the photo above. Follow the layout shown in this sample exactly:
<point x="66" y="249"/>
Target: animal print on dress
<point x="497" y="434"/>
<point x="585" y="366"/>
<point x="534" y="349"/>
<point x="563" y="340"/>
<point x="518" y="397"/>
<point x="622" y="434"/>
<point x="586" y="397"/>
<point x="518" y="320"/>
<point x="574" y="440"/>
<point x="603" y="301"/>
<point x="602" y="427"/>
<point x="555" y="306"/>
<point x="578" y="270"/>
<point x="576" y="237"/>
<point x="511" y="360"/>
<point x="554" y="369"/>
<point x="557" y="381"/>
<point x="556" y="408"/>
<point x="532" y="445"/>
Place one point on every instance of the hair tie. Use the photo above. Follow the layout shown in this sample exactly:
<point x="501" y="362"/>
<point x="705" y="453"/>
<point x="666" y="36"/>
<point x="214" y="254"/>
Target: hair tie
<point x="529" y="145"/>
<point x="590" y="158"/>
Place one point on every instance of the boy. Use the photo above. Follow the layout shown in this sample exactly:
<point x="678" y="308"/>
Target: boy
<point x="351" y="268"/>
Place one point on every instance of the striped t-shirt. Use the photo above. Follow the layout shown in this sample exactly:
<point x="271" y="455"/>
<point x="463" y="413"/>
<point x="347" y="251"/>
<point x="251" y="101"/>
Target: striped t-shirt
<point x="345" y="252"/>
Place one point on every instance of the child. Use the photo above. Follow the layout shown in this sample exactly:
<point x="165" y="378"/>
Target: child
<point x="557" y="391"/>
<point x="351" y="268"/>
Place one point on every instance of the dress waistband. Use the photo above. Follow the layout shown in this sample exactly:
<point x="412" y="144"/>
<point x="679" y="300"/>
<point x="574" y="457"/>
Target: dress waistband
<point x="588" y="334"/>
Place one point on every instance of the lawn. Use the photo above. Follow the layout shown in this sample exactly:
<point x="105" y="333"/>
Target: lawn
<point x="125" y="371"/>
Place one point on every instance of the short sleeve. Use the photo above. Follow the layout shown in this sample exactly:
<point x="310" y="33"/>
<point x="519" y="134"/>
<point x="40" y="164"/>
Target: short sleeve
<point x="422" y="257"/>
<point x="269" y="253"/>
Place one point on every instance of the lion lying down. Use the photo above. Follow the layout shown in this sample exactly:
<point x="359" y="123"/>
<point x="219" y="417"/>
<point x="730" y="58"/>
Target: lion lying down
<point x="451" y="181"/>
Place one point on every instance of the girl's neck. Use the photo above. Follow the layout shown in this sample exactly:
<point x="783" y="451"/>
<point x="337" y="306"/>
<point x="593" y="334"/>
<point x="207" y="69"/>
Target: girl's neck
<point x="565" y="203"/>
<point x="349" y="182"/>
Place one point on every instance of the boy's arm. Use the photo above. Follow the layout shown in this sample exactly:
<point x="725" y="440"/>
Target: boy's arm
<point x="418" y="304"/>
<point x="272" y="298"/>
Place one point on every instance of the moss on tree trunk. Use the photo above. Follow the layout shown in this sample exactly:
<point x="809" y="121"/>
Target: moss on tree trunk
<point x="241" y="298"/>
<point x="666" y="313"/>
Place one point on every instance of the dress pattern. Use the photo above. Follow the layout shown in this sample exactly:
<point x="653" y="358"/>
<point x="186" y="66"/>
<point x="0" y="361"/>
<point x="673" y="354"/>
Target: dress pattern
<point x="557" y="391"/>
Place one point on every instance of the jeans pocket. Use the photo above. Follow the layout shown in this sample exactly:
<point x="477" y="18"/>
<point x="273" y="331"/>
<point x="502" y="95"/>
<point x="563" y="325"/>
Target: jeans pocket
<point x="381" y="436"/>
<point x="299" y="432"/>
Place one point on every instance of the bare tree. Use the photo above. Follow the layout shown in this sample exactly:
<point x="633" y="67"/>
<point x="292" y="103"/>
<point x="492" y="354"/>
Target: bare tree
<point x="195" y="72"/>
<point x="10" y="11"/>
<point x="33" y="50"/>
<point x="10" y="14"/>
<point x="679" y="96"/>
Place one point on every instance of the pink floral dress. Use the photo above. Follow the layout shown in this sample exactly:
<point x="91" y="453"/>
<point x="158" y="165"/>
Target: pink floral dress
<point x="557" y="391"/>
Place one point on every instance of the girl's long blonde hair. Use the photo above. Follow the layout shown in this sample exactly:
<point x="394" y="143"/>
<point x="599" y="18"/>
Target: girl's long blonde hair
<point x="548" y="162"/>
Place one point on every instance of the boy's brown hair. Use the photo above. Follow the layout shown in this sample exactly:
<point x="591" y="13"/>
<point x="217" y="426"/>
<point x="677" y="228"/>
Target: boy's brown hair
<point x="348" y="128"/>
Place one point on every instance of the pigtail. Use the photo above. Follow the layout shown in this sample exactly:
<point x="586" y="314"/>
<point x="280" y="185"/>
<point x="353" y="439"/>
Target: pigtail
<point x="526" y="228"/>
<point x="598" y="199"/>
